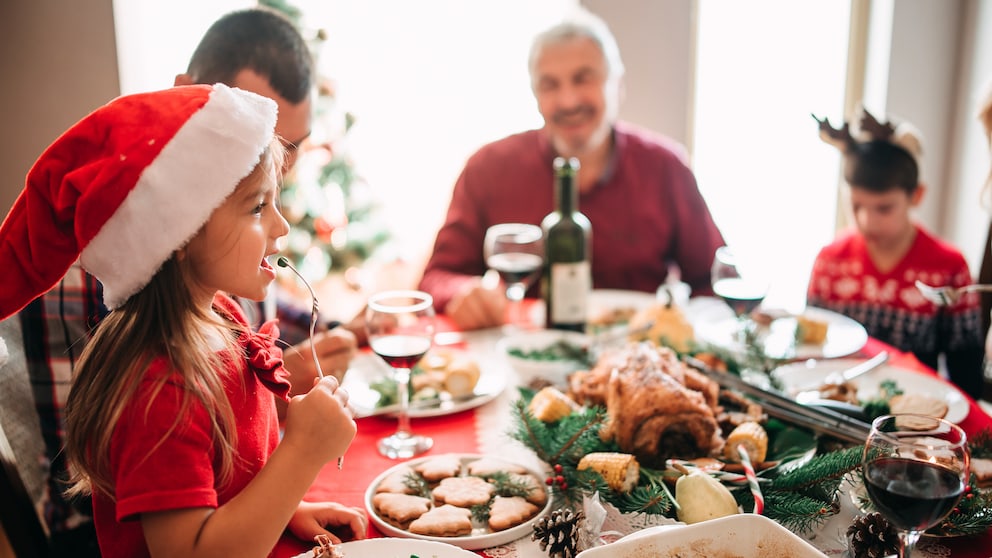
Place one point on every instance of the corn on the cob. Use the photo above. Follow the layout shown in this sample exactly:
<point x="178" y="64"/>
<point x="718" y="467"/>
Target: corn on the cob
<point x="754" y="438"/>
<point x="550" y="405"/>
<point x="620" y="470"/>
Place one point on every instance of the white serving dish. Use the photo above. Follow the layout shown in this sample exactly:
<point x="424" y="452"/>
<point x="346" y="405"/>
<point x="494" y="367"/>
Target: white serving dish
<point x="529" y="370"/>
<point x="743" y="535"/>
<point x="367" y="367"/>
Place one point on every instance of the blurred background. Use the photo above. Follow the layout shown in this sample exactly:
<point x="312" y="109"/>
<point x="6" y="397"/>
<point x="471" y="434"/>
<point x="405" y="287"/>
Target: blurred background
<point x="422" y="84"/>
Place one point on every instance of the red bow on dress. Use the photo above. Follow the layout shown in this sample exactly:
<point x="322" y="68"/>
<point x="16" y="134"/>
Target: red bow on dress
<point x="265" y="359"/>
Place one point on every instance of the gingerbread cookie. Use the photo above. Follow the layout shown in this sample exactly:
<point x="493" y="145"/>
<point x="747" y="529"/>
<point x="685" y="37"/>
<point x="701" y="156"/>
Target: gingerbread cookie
<point x="488" y="466"/>
<point x="537" y="494"/>
<point x="507" y="512"/>
<point x="464" y="492"/>
<point x="401" y="508"/>
<point x="397" y="482"/>
<point x="440" y="467"/>
<point x="444" y="521"/>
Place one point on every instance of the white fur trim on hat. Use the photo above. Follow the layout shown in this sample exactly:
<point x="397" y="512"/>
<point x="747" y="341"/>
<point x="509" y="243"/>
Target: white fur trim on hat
<point x="201" y="165"/>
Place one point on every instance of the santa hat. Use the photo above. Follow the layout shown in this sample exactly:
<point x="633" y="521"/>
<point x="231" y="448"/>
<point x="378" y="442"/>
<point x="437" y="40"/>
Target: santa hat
<point x="127" y="185"/>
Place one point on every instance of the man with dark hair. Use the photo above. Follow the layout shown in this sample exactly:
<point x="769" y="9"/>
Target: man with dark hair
<point x="255" y="49"/>
<point x="261" y="51"/>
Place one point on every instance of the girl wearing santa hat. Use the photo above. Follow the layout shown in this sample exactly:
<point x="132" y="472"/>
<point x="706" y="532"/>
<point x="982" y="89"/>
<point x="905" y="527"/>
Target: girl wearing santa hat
<point x="169" y="199"/>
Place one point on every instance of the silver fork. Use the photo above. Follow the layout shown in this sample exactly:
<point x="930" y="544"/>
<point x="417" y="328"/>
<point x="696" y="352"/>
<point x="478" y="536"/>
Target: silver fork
<point x="314" y="314"/>
<point x="945" y="296"/>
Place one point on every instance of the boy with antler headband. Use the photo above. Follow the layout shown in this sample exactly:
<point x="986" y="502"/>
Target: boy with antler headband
<point x="869" y="273"/>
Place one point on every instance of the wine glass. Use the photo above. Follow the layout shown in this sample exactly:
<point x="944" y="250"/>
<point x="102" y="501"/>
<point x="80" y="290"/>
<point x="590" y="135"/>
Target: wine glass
<point x="400" y="326"/>
<point x="915" y="469"/>
<point x="742" y="290"/>
<point x="516" y="252"/>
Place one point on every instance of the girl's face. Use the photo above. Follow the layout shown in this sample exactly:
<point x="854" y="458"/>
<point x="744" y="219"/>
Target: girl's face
<point x="884" y="219"/>
<point x="229" y="253"/>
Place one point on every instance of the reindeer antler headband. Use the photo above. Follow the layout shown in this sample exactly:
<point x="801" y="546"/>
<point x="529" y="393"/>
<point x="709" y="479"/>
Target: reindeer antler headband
<point x="871" y="129"/>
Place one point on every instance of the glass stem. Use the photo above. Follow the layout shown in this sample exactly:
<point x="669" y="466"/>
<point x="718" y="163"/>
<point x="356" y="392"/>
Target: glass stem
<point x="403" y="395"/>
<point x="515" y="294"/>
<point x="907" y="542"/>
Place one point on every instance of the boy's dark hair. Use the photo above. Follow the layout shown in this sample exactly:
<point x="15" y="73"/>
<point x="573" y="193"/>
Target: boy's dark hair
<point x="258" y="39"/>
<point x="879" y="166"/>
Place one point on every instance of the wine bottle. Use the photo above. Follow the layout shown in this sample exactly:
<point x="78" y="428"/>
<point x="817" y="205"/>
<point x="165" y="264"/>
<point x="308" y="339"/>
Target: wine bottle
<point x="567" y="276"/>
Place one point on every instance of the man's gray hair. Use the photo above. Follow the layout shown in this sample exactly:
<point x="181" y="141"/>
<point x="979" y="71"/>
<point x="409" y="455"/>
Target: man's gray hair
<point x="582" y="23"/>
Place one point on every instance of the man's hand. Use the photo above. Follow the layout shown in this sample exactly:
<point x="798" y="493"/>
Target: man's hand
<point x="478" y="305"/>
<point x="335" y="349"/>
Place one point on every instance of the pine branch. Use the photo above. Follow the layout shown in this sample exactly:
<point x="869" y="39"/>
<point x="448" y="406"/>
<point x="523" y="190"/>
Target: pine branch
<point x="798" y="514"/>
<point x="833" y="467"/>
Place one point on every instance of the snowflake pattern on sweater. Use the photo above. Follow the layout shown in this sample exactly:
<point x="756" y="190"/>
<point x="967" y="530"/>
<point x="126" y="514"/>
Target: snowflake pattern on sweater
<point x="892" y="309"/>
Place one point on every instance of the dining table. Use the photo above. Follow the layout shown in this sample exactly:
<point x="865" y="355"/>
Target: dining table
<point x="484" y="430"/>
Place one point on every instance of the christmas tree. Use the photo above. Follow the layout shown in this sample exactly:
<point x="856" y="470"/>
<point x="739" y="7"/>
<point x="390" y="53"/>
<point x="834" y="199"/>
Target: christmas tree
<point x="331" y="209"/>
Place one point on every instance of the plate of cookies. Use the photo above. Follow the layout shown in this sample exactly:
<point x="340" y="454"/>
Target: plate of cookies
<point x="445" y="381"/>
<point x="471" y="501"/>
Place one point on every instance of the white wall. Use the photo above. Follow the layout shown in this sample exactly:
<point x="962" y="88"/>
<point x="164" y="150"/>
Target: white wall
<point x="59" y="62"/>
<point x="965" y="219"/>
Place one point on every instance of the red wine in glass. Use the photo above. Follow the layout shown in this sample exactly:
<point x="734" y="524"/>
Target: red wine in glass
<point x="741" y="295"/>
<point x="516" y="252"/>
<point x="400" y="327"/>
<point x="914" y="469"/>
<point x="516" y="267"/>
<point x="912" y="494"/>
<point x="401" y="351"/>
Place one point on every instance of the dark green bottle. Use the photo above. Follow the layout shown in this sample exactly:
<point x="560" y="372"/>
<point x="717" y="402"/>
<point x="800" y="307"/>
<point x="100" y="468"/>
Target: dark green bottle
<point x="567" y="277"/>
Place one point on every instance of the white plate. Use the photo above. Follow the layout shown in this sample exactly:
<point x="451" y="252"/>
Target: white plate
<point x="744" y="535"/>
<point x="481" y="537"/>
<point x="607" y="300"/>
<point x="401" y="548"/>
<point x="368" y="367"/>
<point x="844" y="336"/>
<point x="528" y="369"/>
<point x="909" y="381"/>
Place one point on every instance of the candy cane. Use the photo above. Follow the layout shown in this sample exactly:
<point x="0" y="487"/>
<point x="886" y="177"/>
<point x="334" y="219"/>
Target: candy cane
<point x="752" y="480"/>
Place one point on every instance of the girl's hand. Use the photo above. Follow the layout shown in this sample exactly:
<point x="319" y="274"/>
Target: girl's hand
<point x="320" y="423"/>
<point x="314" y="518"/>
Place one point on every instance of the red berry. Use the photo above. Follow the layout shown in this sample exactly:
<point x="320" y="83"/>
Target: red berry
<point x="549" y="481"/>
<point x="557" y="468"/>
<point x="559" y="479"/>
<point x="563" y="485"/>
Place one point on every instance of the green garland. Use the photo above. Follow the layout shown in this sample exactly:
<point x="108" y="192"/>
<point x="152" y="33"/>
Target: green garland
<point x="800" y="493"/>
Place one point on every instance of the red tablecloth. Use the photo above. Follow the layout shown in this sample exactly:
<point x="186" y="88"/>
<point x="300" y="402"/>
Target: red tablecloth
<point x="457" y="433"/>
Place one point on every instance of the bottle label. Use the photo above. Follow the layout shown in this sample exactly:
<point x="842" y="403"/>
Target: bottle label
<point x="570" y="285"/>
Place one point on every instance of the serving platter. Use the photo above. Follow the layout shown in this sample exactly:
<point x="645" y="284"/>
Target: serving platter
<point x="482" y="536"/>
<point x="367" y="368"/>
<point x="844" y="336"/>
<point x="808" y="373"/>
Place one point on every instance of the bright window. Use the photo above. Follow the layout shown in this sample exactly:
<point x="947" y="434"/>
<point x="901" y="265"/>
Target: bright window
<point x="762" y="67"/>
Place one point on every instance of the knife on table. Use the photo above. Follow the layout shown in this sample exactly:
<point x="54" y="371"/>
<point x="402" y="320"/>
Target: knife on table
<point x="847" y="375"/>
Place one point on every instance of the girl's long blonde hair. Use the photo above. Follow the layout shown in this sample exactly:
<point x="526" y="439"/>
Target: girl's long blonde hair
<point x="161" y="320"/>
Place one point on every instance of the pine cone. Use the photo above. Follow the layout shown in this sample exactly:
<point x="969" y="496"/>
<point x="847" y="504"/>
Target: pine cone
<point x="558" y="532"/>
<point x="871" y="536"/>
